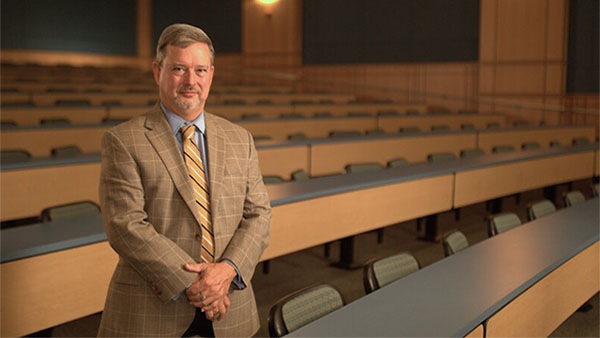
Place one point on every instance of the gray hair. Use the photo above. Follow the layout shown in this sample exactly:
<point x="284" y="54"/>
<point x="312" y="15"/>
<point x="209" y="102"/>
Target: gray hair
<point x="182" y="35"/>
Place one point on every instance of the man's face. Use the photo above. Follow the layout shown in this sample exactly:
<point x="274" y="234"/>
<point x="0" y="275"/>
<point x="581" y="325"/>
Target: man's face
<point x="184" y="79"/>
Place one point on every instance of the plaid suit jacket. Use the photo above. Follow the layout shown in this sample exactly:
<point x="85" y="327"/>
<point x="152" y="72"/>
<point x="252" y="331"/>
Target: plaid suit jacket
<point x="152" y="222"/>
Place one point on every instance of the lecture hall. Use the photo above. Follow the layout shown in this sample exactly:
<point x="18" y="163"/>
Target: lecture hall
<point x="432" y="167"/>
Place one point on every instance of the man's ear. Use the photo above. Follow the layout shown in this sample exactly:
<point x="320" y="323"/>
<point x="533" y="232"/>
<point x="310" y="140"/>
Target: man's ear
<point x="156" y="71"/>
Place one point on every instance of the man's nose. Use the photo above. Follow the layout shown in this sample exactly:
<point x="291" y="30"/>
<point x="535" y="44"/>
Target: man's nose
<point x="189" y="77"/>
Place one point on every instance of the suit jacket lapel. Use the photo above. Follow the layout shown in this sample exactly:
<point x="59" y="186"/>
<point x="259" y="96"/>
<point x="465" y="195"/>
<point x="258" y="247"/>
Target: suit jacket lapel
<point x="216" y="161"/>
<point x="161" y="137"/>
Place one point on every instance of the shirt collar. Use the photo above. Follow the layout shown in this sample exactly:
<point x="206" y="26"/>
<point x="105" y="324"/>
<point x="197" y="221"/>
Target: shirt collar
<point x="176" y="122"/>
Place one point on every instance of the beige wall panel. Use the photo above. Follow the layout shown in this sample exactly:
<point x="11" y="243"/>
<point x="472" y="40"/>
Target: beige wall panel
<point x="555" y="79"/>
<point x="487" y="74"/>
<point x="557" y="29"/>
<point x="487" y="30"/>
<point x="274" y="28"/>
<point x="539" y="310"/>
<point x="520" y="79"/>
<point x="521" y="30"/>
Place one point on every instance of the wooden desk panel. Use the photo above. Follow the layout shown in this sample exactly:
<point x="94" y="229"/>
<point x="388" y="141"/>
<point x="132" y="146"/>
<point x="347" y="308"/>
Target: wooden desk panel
<point x="32" y="116"/>
<point x="279" y="129"/>
<point x="476" y="333"/>
<point x="543" y="135"/>
<point x="55" y="288"/>
<point x="478" y="185"/>
<point x="307" y="223"/>
<point x="284" y="160"/>
<point x="40" y="141"/>
<point x="25" y="193"/>
<point x="425" y="122"/>
<point x="330" y="158"/>
<point x="96" y="99"/>
<point x="539" y="310"/>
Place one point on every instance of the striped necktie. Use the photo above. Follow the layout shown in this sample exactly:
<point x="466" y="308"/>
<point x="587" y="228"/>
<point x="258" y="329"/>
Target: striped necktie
<point x="195" y="168"/>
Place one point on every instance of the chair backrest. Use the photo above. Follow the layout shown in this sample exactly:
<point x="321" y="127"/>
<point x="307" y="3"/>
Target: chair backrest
<point x="493" y="125"/>
<point x="291" y="116"/>
<point x="359" y="114"/>
<point x="413" y="112"/>
<point x="573" y="197"/>
<point x="380" y="272"/>
<point x="55" y="122"/>
<point x="262" y="138"/>
<point x="474" y="152"/>
<point x="409" y="129"/>
<point x="596" y="189"/>
<point x="554" y="143"/>
<point x="300" y="175"/>
<point x="441" y="157"/>
<point x="322" y="115"/>
<point x="440" y="127"/>
<point x="375" y="131"/>
<point x="391" y="112"/>
<point x="362" y="167"/>
<point x="66" y="151"/>
<point x="251" y="116"/>
<point x="297" y="137"/>
<point x="540" y="208"/>
<point x="344" y="133"/>
<point x="397" y="162"/>
<point x="503" y="149"/>
<point x="302" y="307"/>
<point x="502" y="222"/>
<point x="14" y="156"/>
<point x="580" y="140"/>
<point x="70" y="210"/>
<point x="530" y="145"/>
<point x="273" y="179"/>
<point x="467" y="126"/>
<point x="454" y="241"/>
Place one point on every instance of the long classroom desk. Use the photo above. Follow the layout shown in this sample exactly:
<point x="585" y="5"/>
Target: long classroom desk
<point x="144" y="97"/>
<point x="22" y="183"/>
<point x="524" y="283"/>
<point x="39" y="141"/>
<point x="334" y="207"/>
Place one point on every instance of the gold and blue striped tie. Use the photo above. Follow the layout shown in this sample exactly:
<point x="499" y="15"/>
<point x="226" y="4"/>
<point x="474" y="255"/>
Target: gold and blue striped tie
<point x="195" y="168"/>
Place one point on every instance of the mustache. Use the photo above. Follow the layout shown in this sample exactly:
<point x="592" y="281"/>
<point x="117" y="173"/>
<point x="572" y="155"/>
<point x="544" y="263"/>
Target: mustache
<point x="188" y="89"/>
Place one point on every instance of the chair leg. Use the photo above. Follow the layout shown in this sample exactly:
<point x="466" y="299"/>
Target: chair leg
<point x="457" y="214"/>
<point x="266" y="267"/>
<point x="327" y="249"/>
<point x="380" y="236"/>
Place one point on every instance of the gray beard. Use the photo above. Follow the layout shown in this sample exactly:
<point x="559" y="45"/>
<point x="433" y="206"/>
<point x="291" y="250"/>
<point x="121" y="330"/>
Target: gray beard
<point x="185" y="106"/>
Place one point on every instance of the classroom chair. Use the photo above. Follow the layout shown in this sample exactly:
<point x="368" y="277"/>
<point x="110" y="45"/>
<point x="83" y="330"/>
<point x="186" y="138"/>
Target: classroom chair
<point x="70" y="210"/>
<point x="302" y="307"/>
<point x="540" y="208"/>
<point x="273" y="179"/>
<point x="530" y="146"/>
<point x="573" y="197"/>
<point x="66" y="151"/>
<point x="502" y="222"/>
<point x="380" y="272"/>
<point x="397" y="162"/>
<point x="14" y="156"/>
<point x="454" y="241"/>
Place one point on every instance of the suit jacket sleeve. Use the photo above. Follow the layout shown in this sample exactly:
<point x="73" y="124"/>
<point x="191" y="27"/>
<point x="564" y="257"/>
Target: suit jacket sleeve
<point x="252" y="235"/>
<point x="155" y="257"/>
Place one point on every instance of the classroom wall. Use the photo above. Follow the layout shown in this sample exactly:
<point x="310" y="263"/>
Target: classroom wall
<point x="522" y="61"/>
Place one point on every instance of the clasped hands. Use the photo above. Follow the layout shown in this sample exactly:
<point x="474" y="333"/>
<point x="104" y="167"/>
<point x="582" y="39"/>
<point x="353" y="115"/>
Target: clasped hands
<point x="209" y="291"/>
